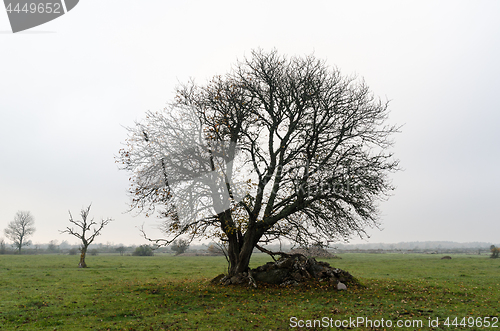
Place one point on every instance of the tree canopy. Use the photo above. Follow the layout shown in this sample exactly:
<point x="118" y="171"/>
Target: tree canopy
<point x="277" y="148"/>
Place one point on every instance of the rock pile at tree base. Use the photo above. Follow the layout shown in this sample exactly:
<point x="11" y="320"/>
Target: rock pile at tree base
<point x="290" y="270"/>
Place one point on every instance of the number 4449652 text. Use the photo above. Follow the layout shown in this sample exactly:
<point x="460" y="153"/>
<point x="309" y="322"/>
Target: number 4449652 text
<point x="48" y="7"/>
<point x="485" y="322"/>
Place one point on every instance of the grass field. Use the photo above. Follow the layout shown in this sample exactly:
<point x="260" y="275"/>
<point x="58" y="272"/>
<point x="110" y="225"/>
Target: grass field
<point x="48" y="292"/>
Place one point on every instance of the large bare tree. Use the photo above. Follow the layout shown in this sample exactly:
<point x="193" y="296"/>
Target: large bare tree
<point x="86" y="230"/>
<point x="22" y="227"/>
<point x="277" y="148"/>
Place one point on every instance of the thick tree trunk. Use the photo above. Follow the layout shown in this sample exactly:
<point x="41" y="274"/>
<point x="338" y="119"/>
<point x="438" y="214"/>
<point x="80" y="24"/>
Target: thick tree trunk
<point x="250" y="239"/>
<point x="83" y="252"/>
<point x="233" y="255"/>
<point x="240" y="251"/>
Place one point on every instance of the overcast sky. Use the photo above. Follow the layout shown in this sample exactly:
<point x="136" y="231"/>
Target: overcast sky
<point x="68" y="88"/>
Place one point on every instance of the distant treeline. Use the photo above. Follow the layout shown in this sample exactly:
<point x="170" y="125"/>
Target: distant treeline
<point x="437" y="247"/>
<point x="66" y="248"/>
<point x="417" y="245"/>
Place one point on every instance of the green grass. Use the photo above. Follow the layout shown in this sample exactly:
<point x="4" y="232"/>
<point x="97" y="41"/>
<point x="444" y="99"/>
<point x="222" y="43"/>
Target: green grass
<point x="48" y="292"/>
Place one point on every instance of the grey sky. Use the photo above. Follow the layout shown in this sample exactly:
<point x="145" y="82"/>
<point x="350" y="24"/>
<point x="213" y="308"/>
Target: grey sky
<point x="69" y="86"/>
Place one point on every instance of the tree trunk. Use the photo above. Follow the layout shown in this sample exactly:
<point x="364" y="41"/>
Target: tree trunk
<point x="233" y="255"/>
<point x="238" y="262"/>
<point x="82" y="263"/>
<point x="240" y="251"/>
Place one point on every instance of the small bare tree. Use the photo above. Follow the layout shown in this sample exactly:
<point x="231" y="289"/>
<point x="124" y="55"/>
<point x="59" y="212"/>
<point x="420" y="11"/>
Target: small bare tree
<point x="20" y="229"/>
<point x="86" y="231"/>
